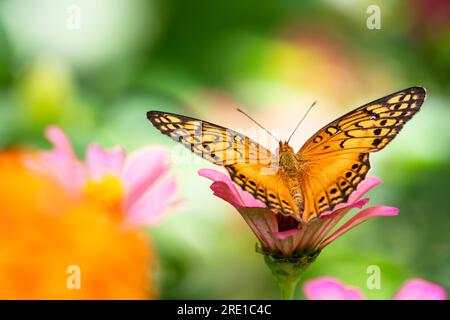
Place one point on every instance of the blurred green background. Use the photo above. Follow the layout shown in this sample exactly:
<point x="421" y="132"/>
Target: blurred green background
<point x="271" y="58"/>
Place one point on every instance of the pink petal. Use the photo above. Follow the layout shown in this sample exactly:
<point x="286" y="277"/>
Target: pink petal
<point x="142" y="169"/>
<point x="327" y="288"/>
<point x="362" y="189"/>
<point x="152" y="207"/>
<point x="358" y="204"/>
<point x="61" y="161"/>
<point x="284" y="234"/>
<point x="225" y="189"/>
<point x="61" y="144"/>
<point x="101" y="162"/>
<point x="358" y="219"/>
<point x="418" y="289"/>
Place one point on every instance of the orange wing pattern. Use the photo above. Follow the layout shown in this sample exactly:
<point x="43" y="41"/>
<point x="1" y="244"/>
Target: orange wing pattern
<point x="336" y="159"/>
<point x="212" y="142"/>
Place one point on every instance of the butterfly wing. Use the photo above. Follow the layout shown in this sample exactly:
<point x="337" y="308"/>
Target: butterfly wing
<point x="336" y="159"/>
<point x="212" y="142"/>
<point x="265" y="184"/>
<point x="249" y="164"/>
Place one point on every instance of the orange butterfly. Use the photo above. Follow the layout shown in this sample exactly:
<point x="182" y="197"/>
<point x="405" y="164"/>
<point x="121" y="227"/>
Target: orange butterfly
<point x="325" y="171"/>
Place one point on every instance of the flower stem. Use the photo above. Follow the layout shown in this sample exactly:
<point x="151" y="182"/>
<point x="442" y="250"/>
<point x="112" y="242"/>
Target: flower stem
<point x="288" y="271"/>
<point x="288" y="288"/>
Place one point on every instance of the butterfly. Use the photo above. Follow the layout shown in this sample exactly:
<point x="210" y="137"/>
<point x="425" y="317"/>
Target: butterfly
<point x="307" y="183"/>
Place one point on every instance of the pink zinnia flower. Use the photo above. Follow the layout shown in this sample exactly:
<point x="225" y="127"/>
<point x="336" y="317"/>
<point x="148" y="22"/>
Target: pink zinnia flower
<point x="290" y="246"/>
<point x="285" y="237"/>
<point x="141" y="184"/>
<point x="328" y="288"/>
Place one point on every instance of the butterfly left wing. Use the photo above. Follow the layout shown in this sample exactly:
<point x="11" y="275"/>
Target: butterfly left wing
<point x="249" y="164"/>
<point x="336" y="159"/>
<point x="217" y="144"/>
<point x="329" y="181"/>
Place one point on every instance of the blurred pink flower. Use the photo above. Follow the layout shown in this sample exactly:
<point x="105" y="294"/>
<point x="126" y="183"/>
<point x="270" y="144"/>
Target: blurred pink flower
<point x="285" y="236"/>
<point x="327" y="288"/>
<point x="142" y="183"/>
<point x="430" y="16"/>
<point x="418" y="289"/>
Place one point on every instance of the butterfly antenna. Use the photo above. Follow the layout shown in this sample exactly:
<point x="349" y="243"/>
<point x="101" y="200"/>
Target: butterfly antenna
<point x="300" y="122"/>
<point x="245" y="114"/>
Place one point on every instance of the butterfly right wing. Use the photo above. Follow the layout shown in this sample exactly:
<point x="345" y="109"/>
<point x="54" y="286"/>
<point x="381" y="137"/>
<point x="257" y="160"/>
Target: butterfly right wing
<point x="250" y="165"/>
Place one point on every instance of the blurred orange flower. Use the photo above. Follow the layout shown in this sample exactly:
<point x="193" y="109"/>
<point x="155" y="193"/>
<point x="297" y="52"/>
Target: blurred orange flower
<point x="72" y="230"/>
<point x="44" y="231"/>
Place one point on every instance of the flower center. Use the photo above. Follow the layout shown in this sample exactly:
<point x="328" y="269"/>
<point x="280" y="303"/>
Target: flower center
<point x="107" y="192"/>
<point x="286" y="223"/>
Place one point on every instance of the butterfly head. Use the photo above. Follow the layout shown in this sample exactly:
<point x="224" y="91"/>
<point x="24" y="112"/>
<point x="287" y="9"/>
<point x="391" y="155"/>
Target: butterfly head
<point x="287" y="157"/>
<point x="284" y="147"/>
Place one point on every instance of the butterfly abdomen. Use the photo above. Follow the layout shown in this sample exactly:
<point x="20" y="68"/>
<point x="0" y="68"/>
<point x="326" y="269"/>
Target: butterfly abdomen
<point x="289" y="167"/>
<point x="296" y="193"/>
